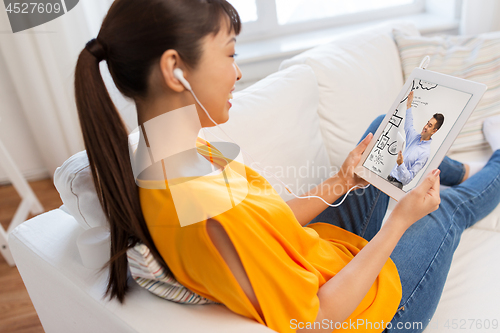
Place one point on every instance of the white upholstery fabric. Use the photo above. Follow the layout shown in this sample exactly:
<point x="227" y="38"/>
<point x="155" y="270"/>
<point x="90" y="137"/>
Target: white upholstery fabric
<point x="359" y="75"/>
<point x="472" y="289"/>
<point x="73" y="180"/>
<point x="276" y="122"/>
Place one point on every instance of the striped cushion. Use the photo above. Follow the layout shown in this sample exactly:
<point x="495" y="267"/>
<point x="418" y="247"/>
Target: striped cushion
<point x="149" y="274"/>
<point x="474" y="58"/>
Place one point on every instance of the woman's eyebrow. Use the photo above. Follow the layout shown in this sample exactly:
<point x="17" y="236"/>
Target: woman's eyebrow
<point x="232" y="39"/>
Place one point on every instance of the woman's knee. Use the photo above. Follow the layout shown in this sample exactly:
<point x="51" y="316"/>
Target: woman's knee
<point x="379" y="119"/>
<point x="373" y="126"/>
<point x="376" y="122"/>
<point x="452" y="172"/>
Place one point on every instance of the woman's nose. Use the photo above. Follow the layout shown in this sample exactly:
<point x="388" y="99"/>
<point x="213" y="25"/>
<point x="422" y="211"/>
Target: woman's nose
<point x="238" y="72"/>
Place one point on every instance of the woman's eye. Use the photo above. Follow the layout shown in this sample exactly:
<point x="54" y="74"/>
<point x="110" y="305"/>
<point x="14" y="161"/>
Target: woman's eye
<point x="233" y="55"/>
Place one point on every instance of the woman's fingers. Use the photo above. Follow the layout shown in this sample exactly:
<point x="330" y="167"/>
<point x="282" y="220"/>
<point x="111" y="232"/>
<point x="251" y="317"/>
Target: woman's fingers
<point x="434" y="191"/>
<point x="429" y="189"/>
<point x="432" y="179"/>
<point x="422" y="200"/>
<point x="360" y="148"/>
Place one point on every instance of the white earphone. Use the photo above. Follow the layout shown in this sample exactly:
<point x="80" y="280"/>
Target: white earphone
<point x="179" y="75"/>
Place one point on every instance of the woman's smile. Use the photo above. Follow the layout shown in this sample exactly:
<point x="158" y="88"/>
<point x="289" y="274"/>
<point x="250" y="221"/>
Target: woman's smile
<point x="230" y="97"/>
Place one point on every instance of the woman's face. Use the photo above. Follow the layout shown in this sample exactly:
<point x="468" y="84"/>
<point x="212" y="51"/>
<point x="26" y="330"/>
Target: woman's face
<point x="214" y="78"/>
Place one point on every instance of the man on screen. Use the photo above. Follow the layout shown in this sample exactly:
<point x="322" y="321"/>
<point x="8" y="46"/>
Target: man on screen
<point x="418" y="147"/>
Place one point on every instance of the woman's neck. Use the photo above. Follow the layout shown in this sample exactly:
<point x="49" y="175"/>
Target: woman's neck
<point x="172" y="132"/>
<point x="171" y="136"/>
<point x="177" y="118"/>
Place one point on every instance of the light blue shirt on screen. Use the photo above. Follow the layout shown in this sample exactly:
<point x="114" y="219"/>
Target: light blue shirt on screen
<point x="415" y="155"/>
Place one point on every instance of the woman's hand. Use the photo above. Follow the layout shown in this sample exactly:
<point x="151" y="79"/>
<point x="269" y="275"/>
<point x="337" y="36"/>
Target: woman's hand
<point x="346" y="173"/>
<point x="422" y="200"/>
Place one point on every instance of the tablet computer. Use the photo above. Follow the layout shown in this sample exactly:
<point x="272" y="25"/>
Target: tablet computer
<point x="415" y="135"/>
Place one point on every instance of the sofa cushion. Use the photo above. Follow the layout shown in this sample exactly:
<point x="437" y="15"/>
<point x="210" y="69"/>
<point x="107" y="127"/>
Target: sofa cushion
<point x="73" y="180"/>
<point x="473" y="58"/>
<point x="149" y="274"/>
<point x="359" y="75"/>
<point x="276" y="122"/>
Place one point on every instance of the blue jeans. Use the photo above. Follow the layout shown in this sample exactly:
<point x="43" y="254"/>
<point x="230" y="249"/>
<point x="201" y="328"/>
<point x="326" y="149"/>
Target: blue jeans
<point x="423" y="255"/>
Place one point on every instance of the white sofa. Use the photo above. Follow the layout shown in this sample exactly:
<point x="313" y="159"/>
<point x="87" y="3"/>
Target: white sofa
<point x="308" y="116"/>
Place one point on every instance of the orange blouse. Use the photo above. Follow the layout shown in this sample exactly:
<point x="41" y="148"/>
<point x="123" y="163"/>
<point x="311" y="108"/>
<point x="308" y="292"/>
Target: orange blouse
<point x="285" y="262"/>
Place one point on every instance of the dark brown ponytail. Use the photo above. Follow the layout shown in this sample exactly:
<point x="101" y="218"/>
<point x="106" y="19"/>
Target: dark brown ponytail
<point x="132" y="38"/>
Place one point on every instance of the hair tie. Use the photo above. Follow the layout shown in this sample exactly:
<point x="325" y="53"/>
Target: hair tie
<point x="96" y="49"/>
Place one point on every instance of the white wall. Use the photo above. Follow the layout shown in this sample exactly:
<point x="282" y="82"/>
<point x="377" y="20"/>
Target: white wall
<point x="479" y="16"/>
<point x="15" y="134"/>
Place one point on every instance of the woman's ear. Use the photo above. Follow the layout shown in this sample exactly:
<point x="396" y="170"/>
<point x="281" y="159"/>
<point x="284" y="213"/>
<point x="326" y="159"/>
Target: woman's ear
<point x="169" y="61"/>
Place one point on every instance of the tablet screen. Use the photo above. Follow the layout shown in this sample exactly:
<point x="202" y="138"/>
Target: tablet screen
<point x="414" y="133"/>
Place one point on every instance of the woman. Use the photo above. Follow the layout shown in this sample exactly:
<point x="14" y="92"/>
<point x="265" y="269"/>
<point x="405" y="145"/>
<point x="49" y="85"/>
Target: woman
<point x="257" y="258"/>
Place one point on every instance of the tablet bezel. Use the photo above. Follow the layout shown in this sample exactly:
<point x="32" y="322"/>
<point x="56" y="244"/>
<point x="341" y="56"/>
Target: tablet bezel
<point x="475" y="89"/>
